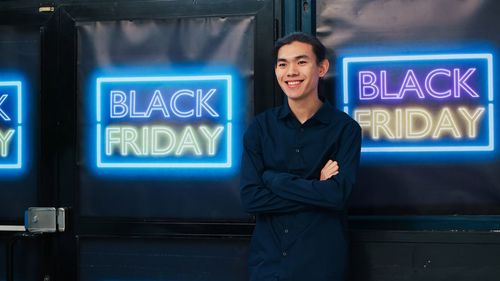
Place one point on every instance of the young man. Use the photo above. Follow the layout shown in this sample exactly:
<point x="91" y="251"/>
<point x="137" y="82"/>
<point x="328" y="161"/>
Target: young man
<point x="299" y="165"/>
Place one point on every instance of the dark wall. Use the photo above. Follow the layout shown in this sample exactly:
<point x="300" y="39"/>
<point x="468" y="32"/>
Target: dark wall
<point x="382" y="248"/>
<point x="106" y="209"/>
<point x="424" y="255"/>
<point x="409" y="209"/>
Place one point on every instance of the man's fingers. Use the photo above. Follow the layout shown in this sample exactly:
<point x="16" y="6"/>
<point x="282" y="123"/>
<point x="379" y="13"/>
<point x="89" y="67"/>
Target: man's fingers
<point x="330" y="163"/>
<point x="332" y="166"/>
<point x="330" y="169"/>
<point x="332" y="172"/>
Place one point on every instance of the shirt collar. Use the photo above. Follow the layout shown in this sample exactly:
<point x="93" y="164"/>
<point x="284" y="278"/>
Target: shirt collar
<point x="284" y="110"/>
<point x="323" y="115"/>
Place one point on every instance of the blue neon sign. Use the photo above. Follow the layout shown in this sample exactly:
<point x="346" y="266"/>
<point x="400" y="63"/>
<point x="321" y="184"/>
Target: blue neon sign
<point x="164" y="121"/>
<point x="421" y="103"/>
<point x="11" y="125"/>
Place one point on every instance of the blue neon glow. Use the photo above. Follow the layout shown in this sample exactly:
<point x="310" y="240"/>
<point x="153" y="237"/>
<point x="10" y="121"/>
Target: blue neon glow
<point x="465" y="62"/>
<point x="175" y="101"/>
<point x="11" y="118"/>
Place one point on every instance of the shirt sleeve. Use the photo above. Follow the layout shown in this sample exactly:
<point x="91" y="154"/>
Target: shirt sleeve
<point x="332" y="193"/>
<point x="255" y="196"/>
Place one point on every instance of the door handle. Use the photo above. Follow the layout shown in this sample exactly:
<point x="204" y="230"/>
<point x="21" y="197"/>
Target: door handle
<point x="45" y="219"/>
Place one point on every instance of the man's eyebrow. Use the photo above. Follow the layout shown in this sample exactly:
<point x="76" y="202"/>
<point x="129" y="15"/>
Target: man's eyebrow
<point x="302" y="57"/>
<point x="295" y="58"/>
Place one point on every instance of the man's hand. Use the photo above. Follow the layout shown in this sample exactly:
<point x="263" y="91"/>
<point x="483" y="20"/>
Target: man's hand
<point x="330" y="169"/>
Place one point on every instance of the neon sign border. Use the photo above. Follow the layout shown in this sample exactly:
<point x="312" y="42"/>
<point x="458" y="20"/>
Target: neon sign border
<point x="491" y="131"/>
<point x="226" y="164"/>
<point x="18" y="164"/>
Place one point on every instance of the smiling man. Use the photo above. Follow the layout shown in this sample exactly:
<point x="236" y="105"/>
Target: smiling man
<point x="299" y="165"/>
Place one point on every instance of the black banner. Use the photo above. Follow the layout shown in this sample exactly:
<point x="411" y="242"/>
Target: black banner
<point x="19" y="135"/>
<point x="163" y="106"/>
<point x="419" y="77"/>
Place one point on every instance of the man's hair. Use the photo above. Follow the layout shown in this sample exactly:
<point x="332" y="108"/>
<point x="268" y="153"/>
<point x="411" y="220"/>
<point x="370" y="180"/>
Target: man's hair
<point x="318" y="48"/>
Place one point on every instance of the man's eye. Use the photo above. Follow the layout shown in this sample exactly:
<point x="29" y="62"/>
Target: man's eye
<point x="281" y="65"/>
<point x="302" y="62"/>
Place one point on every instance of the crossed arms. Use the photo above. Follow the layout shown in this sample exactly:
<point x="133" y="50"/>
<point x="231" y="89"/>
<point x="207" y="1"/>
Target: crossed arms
<point x="268" y="191"/>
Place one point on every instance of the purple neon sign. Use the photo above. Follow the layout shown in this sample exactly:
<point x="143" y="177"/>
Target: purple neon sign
<point x="374" y="84"/>
<point x="421" y="103"/>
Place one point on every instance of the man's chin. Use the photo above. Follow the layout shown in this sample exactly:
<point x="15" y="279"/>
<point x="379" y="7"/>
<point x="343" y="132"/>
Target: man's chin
<point x="295" y="97"/>
<point x="294" y="94"/>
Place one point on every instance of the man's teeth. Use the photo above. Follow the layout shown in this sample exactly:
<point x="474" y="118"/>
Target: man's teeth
<point x="293" y="83"/>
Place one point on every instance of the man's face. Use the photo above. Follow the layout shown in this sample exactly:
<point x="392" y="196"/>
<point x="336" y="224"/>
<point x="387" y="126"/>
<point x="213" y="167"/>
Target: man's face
<point x="298" y="72"/>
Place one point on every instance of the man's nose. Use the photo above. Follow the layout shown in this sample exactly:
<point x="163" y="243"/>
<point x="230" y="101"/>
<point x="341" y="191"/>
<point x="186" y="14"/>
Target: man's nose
<point x="292" y="70"/>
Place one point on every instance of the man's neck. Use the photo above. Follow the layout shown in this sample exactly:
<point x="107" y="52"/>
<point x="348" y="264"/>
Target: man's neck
<point x="305" y="109"/>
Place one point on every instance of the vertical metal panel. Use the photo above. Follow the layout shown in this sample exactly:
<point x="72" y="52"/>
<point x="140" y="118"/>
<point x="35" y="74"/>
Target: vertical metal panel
<point x="291" y="22"/>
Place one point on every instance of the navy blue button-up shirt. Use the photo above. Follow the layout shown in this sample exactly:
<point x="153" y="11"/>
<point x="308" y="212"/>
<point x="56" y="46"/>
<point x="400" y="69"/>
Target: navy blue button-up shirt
<point x="300" y="231"/>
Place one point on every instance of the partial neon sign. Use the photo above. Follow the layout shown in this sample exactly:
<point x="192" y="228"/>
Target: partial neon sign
<point x="164" y="122"/>
<point x="11" y="125"/>
<point x="415" y="103"/>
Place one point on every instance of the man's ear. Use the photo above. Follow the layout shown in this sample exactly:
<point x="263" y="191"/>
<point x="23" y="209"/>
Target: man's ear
<point x="323" y="67"/>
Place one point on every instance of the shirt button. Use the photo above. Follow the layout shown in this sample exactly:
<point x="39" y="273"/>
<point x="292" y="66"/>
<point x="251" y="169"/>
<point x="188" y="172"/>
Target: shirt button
<point x="297" y="150"/>
<point x="286" y="230"/>
<point x="284" y="254"/>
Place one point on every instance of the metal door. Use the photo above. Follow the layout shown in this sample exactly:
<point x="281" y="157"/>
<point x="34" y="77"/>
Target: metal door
<point x="129" y="217"/>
